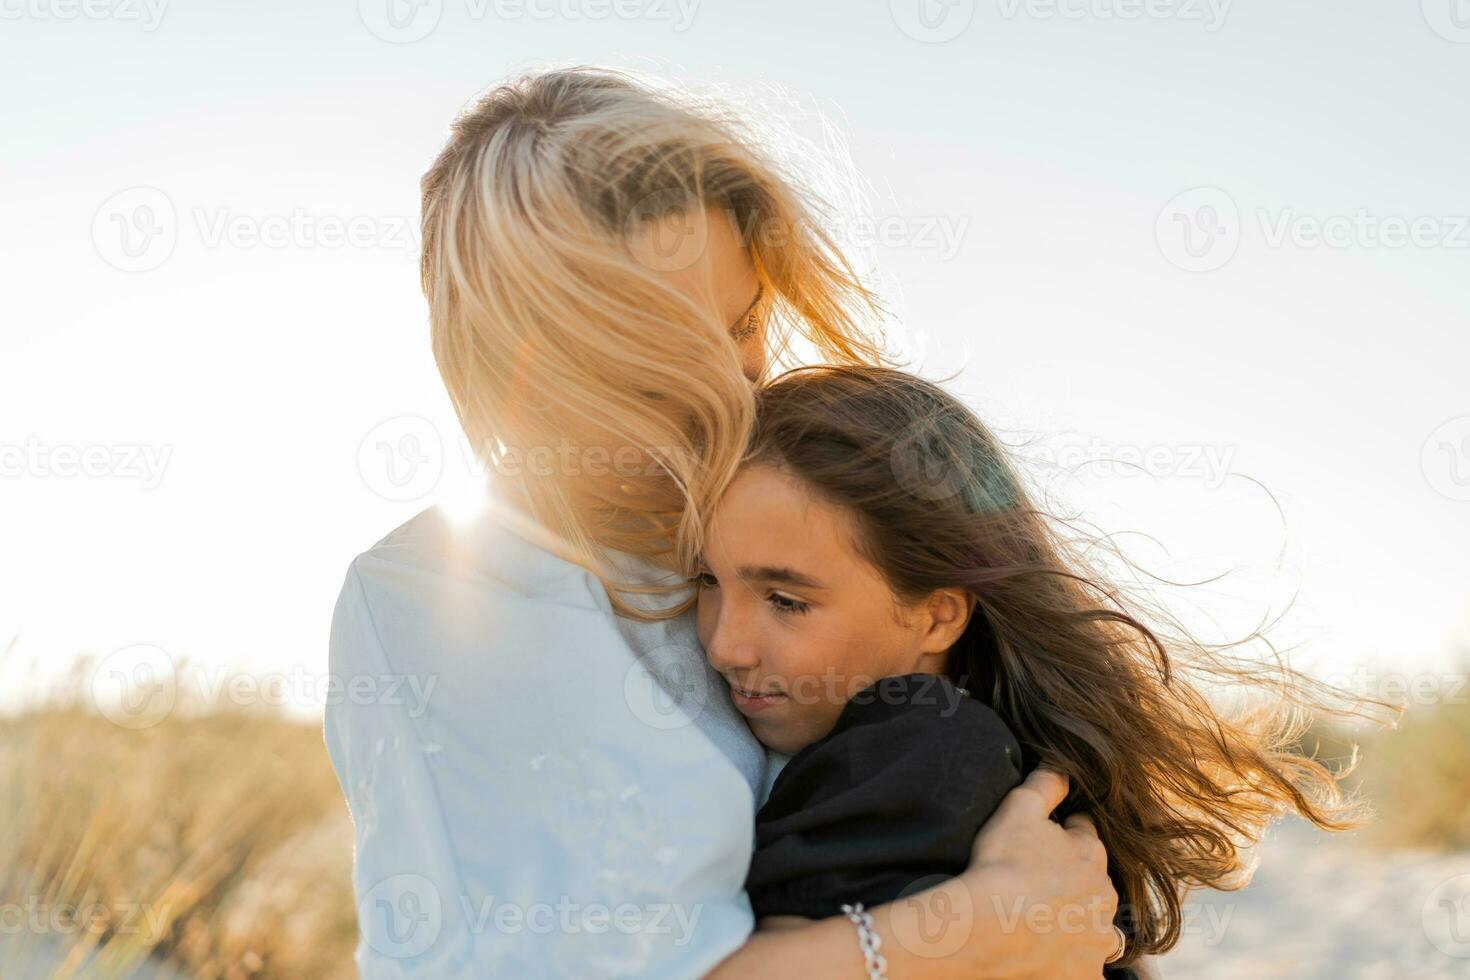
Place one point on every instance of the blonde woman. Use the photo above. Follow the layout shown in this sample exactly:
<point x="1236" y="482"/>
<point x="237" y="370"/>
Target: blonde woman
<point x="609" y="268"/>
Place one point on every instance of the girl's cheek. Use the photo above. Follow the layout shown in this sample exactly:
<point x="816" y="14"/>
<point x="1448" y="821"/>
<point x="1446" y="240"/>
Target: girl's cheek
<point x="703" y="622"/>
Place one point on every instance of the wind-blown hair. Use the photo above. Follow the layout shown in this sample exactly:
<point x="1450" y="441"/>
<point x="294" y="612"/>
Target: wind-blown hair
<point x="546" y="325"/>
<point x="1177" y="786"/>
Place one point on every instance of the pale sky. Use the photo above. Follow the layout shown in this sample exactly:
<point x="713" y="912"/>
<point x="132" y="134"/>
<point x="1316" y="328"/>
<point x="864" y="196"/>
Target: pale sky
<point x="1232" y="238"/>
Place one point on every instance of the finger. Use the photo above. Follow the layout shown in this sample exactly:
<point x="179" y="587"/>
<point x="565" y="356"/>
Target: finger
<point x="1041" y="793"/>
<point x="1081" y="823"/>
<point x="1084" y="832"/>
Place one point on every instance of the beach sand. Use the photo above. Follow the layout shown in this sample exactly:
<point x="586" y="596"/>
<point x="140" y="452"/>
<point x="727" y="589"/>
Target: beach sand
<point x="1328" y="907"/>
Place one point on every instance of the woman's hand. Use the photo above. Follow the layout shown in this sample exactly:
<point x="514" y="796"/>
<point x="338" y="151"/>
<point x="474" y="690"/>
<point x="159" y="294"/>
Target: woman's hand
<point x="1036" y="903"/>
<point x="1042" y="887"/>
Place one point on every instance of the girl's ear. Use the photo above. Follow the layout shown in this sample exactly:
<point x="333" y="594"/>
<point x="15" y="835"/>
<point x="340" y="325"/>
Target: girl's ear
<point x="949" y="612"/>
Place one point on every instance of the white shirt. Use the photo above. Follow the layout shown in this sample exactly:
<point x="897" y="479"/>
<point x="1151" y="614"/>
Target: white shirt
<point x="537" y="786"/>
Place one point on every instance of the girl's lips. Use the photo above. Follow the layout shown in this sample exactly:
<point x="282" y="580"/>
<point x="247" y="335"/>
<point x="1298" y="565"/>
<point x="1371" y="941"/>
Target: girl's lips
<point x="749" y="706"/>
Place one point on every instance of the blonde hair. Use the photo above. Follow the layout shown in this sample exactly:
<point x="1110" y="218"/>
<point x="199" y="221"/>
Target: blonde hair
<point x="545" y="322"/>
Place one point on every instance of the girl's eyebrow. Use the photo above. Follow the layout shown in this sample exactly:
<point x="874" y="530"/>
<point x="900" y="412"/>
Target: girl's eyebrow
<point x="779" y="575"/>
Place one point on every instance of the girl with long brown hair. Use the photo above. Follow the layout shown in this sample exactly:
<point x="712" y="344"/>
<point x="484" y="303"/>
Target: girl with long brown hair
<point x="877" y="538"/>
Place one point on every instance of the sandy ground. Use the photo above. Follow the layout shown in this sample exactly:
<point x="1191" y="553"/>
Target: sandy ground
<point x="1325" y="907"/>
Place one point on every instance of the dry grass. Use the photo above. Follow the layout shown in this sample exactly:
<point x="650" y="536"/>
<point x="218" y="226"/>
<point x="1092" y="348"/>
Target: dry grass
<point x="1418" y="778"/>
<point x="1415" y="774"/>
<point x="215" y="841"/>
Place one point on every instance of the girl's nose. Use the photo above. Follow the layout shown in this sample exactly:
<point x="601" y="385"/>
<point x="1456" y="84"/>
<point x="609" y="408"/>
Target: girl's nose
<point x="730" y="649"/>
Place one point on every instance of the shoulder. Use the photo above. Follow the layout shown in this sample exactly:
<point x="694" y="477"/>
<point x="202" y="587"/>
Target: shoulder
<point x="494" y="551"/>
<point x="919" y="726"/>
<point x="467" y="598"/>
<point x="916" y="703"/>
<point x="517" y="651"/>
<point x="906" y="732"/>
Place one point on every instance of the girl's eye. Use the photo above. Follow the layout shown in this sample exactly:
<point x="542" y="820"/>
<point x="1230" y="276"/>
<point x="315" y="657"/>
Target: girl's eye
<point x="786" y="604"/>
<point x="781" y="603"/>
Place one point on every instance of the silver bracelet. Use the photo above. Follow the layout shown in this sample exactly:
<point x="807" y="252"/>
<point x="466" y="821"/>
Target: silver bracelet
<point x="868" y="941"/>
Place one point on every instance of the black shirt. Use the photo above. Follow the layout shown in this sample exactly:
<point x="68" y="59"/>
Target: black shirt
<point x="885" y="805"/>
<point x="891" y="797"/>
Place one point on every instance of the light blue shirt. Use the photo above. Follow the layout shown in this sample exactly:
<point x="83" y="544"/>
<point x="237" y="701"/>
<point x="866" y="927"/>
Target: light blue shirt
<point x="538" y="787"/>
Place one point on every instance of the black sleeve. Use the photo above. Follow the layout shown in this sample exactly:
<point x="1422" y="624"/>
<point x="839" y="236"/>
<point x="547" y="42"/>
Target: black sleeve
<point x="886" y="804"/>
